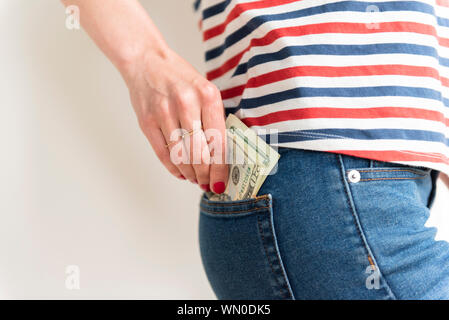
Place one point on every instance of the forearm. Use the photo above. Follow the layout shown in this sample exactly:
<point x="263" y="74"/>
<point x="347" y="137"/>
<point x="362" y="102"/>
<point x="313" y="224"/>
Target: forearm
<point x="166" y="92"/>
<point x="122" y="29"/>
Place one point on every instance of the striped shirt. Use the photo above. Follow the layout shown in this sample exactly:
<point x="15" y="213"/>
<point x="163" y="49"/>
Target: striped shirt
<point x="362" y="78"/>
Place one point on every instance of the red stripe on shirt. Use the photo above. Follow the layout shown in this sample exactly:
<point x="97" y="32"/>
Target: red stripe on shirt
<point x="345" y="113"/>
<point x="238" y="10"/>
<point x="399" y="155"/>
<point x="351" y="71"/>
<point x="319" y="71"/>
<point x="443" y="3"/>
<point x="320" y="28"/>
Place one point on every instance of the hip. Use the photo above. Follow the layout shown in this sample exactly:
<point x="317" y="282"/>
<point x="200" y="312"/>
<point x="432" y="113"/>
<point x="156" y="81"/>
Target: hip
<point x="327" y="226"/>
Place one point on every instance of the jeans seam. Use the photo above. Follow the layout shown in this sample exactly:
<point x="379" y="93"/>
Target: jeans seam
<point x="282" y="285"/>
<point x="370" y="255"/>
<point x="393" y="170"/>
<point x="236" y="211"/>
<point x="397" y="178"/>
<point x="245" y="202"/>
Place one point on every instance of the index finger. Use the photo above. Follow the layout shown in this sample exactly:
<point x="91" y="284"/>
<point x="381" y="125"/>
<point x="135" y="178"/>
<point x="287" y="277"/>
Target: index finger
<point x="212" y="116"/>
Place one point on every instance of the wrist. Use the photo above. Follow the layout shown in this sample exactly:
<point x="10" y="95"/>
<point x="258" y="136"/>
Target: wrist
<point x="132" y="59"/>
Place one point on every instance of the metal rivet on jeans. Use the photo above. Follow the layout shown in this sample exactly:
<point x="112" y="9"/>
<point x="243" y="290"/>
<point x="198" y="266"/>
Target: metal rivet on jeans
<point x="354" y="176"/>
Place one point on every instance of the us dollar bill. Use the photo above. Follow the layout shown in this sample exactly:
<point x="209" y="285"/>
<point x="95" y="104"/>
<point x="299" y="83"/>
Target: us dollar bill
<point x="251" y="159"/>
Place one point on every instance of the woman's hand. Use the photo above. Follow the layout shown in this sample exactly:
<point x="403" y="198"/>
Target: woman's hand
<point x="444" y="178"/>
<point x="167" y="94"/>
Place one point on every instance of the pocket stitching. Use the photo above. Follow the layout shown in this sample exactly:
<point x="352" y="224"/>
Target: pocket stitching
<point x="235" y="203"/>
<point x="394" y="170"/>
<point x="402" y="178"/>
<point x="282" y="285"/>
<point x="420" y="174"/>
<point x="231" y="212"/>
<point x="360" y="231"/>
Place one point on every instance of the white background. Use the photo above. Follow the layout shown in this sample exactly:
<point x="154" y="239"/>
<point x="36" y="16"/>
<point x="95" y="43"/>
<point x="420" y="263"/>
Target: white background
<point x="79" y="184"/>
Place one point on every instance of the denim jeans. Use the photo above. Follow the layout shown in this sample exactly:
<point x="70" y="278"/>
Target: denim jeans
<point x="327" y="226"/>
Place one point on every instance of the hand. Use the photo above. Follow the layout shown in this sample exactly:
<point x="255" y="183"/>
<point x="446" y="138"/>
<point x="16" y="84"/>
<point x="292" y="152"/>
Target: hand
<point x="444" y="178"/>
<point x="167" y="94"/>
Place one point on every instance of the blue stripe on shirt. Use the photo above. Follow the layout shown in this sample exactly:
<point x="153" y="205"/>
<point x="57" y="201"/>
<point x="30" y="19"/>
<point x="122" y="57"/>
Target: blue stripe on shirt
<point x="361" y="134"/>
<point x="356" y="6"/>
<point x="215" y="9"/>
<point x="377" y="91"/>
<point x="342" y="50"/>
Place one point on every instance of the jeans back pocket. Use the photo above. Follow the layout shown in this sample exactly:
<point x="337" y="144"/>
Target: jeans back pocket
<point x="239" y="249"/>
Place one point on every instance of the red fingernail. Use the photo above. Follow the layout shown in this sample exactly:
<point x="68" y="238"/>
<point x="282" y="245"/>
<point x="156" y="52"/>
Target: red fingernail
<point x="219" y="187"/>
<point x="195" y="181"/>
<point x="182" y="177"/>
<point x="205" y="187"/>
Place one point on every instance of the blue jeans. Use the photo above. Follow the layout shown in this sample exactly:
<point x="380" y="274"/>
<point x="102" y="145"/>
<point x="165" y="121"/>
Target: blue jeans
<point x="327" y="226"/>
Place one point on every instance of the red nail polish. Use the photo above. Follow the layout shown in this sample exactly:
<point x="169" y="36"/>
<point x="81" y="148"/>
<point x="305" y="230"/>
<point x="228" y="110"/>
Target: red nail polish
<point x="182" y="177"/>
<point x="195" y="181"/>
<point x="219" y="187"/>
<point x="205" y="187"/>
